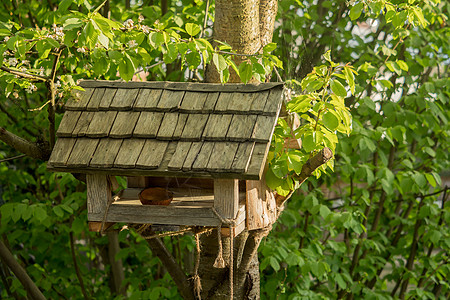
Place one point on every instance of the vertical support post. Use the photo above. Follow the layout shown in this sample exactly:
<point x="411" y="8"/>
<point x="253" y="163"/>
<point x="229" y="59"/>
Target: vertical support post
<point x="98" y="193"/>
<point x="226" y="197"/>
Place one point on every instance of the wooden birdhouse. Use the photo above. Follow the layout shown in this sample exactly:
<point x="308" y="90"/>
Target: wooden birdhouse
<point x="205" y="143"/>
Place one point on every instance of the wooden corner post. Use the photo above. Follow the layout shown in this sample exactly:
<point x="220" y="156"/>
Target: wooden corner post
<point x="98" y="195"/>
<point x="226" y="197"/>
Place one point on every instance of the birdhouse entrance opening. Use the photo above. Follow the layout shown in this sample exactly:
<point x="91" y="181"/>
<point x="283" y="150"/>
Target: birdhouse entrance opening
<point x="196" y="202"/>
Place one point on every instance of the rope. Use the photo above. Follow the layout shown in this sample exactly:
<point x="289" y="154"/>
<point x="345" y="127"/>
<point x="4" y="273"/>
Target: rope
<point x="219" y="262"/>
<point x="197" y="282"/>
<point x="231" y="265"/>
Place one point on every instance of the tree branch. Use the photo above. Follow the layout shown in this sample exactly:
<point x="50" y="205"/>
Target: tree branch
<point x="31" y="288"/>
<point x="77" y="269"/>
<point x="308" y="168"/>
<point x="40" y="150"/>
<point x="181" y="280"/>
<point x="24" y="75"/>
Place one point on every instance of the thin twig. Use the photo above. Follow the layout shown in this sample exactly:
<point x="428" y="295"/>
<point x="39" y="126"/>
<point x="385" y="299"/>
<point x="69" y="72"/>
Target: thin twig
<point x="24" y="75"/>
<point x="12" y="158"/>
<point x="77" y="269"/>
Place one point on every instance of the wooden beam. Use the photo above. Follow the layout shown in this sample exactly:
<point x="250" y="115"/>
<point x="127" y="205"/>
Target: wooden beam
<point x="226" y="197"/>
<point x="98" y="193"/>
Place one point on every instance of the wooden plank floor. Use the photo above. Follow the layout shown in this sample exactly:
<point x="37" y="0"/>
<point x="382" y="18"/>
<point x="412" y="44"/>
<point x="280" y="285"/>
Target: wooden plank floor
<point x="189" y="207"/>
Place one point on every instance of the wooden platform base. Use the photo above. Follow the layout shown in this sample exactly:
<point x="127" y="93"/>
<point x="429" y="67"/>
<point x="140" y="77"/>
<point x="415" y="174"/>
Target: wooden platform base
<point x="190" y="207"/>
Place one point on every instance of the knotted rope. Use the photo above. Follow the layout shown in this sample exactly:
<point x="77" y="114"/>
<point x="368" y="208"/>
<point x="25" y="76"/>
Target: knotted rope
<point x="231" y="224"/>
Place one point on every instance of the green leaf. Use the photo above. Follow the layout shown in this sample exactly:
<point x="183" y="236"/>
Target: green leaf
<point x="274" y="263"/>
<point x="324" y="211"/>
<point x="220" y="62"/>
<point x="193" y="60"/>
<point x="58" y="211"/>
<point x="245" y="72"/>
<point x="330" y="121"/>
<point x="126" y="68"/>
<point x="340" y="281"/>
<point x="356" y="11"/>
<point x="308" y="143"/>
<point x="269" y="47"/>
<point x="338" y="88"/>
<point x="192" y="29"/>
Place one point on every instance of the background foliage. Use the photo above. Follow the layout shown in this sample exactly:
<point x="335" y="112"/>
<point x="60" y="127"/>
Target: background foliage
<point x="376" y="228"/>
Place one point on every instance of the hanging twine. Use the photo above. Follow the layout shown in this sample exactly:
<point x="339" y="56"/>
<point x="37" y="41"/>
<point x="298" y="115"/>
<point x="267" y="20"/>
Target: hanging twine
<point x="197" y="281"/>
<point x="232" y="224"/>
<point x="231" y="265"/>
<point x="220" y="262"/>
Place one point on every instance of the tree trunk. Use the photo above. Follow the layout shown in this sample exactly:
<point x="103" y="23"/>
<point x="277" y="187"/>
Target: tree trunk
<point x="247" y="26"/>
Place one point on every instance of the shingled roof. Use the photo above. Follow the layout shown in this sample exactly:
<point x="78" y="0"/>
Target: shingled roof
<point x="168" y="129"/>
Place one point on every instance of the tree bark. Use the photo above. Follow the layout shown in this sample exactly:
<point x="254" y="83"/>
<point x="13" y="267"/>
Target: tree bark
<point x="247" y="26"/>
<point x="9" y="260"/>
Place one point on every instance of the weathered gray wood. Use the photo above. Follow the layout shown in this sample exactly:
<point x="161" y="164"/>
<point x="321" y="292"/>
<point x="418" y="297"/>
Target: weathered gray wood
<point x="193" y="102"/>
<point x="222" y="156"/>
<point x="167" y="127"/>
<point x="242" y="158"/>
<point x="263" y="128"/>
<point x="201" y="162"/>
<point x="96" y="98"/>
<point x="223" y="102"/>
<point x="106" y="153"/>
<point x="170" y="100"/>
<point x="82" y="152"/>
<point x="147" y="99"/>
<point x="61" y="151"/>
<point x="226" y="197"/>
<point x="148" y="124"/>
<point x="170" y="150"/>
<point x="98" y="193"/>
<point x="124" y="99"/>
<point x="258" y="159"/>
<point x="129" y="153"/>
<point x="107" y="98"/>
<point x="80" y="100"/>
<point x="152" y="154"/>
<point x="181" y="122"/>
<point x="192" y="155"/>
<point x="241" y="128"/>
<point x="178" y="158"/>
<point x="258" y="103"/>
<point x="83" y="123"/>
<point x="216" y="127"/>
<point x="273" y="103"/>
<point x="182" y="86"/>
<point x="210" y="102"/>
<point x="101" y="124"/>
<point x="68" y="123"/>
<point x="124" y="124"/>
<point x="194" y="127"/>
<point x="159" y="172"/>
<point x="156" y="214"/>
<point x="241" y="102"/>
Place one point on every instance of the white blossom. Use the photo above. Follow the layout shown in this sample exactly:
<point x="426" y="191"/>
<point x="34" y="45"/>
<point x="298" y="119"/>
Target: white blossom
<point x="128" y="24"/>
<point x="6" y="39"/>
<point x="25" y="62"/>
<point x="12" y="61"/>
<point x="145" y="29"/>
<point x="81" y="50"/>
<point x="58" y="84"/>
<point x="61" y="94"/>
<point x="132" y="44"/>
<point x="141" y="18"/>
<point x="16" y="95"/>
<point x="41" y="71"/>
<point x="22" y="69"/>
<point x="31" y="88"/>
